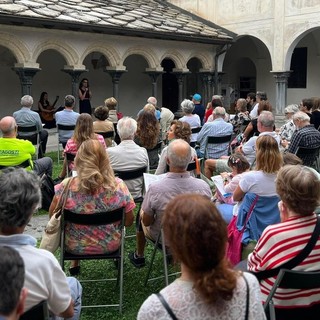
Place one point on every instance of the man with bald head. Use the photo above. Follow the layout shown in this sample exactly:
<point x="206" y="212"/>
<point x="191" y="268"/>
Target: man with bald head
<point x="18" y="152"/>
<point x="175" y="182"/>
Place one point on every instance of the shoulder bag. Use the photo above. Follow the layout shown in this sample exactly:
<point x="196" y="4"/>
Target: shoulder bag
<point x="166" y="306"/>
<point x="296" y="260"/>
<point x="51" y="235"/>
<point x="234" y="246"/>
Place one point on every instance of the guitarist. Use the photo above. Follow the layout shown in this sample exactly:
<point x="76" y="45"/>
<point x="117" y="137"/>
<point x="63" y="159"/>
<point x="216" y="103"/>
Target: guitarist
<point x="47" y="110"/>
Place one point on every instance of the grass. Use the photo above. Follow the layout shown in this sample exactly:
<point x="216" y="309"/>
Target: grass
<point x="134" y="290"/>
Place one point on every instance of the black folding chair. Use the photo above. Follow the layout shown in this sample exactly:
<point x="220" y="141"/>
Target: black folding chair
<point x="69" y="158"/>
<point x="31" y="134"/>
<point x="38" y="312"/>
<point x="62" y="127"/>
<point x="194" y="130"/>
<point x="106" y="134"/>
<point x="289" y="279"/>
<point x="97" y="219"/>
<point x="159" y="245"/>
<point x="24" y="164"/>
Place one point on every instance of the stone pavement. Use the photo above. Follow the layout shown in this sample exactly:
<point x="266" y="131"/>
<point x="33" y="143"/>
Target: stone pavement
<point x="36" y="226"/>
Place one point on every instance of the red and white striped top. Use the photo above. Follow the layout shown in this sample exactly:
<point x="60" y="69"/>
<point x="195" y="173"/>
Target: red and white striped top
<point x="278" y="244"/>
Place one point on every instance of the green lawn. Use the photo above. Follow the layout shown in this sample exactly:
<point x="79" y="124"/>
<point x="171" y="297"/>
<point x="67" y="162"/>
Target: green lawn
<point x="135" y="292"/>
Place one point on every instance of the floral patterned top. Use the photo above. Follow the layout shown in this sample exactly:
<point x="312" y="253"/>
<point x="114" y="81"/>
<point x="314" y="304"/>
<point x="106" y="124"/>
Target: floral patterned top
<point x="94" y="239"/>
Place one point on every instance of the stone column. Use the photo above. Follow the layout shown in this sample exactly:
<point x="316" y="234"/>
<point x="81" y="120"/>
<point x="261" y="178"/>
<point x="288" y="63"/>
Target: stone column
<point x="26" y="76"/>
<point x="154" y="77"/>
<point x="281" y="94"/>
<point x="207" y="78"/>
<point x="281" y="90"/>
<point x="115" y="75"/>
<point x="75" y="76"/>
<point x="180" y="78"/>
<point x="219" y="83"/>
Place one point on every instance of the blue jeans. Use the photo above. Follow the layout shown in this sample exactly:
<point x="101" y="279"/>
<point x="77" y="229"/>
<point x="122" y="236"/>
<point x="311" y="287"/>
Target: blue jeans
<point x="76" y="294"/>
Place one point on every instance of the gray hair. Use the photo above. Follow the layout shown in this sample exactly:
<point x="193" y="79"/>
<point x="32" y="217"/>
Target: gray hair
<point x="20" y="195"/>
<point x="26" y="101"/>
<point x="153" y="101"/>
<point x="291" y="108"/>
<point x="11" y="279"/>
<point x="301" y="116"/>
<point x="266" y="119"/>
<point x="220" y="112"/>
<point x="187" y="106"/>
<point x="179" y="154"/>
<point x="69" y="100"/>
<point x="127" y="128"/>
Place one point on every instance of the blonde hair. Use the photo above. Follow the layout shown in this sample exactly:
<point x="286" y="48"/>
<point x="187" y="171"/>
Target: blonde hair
<point x="111" y="103"/>
<point x="83" y="129"/>
<point x="269" y="158"/>
<point x="93" y="168"/>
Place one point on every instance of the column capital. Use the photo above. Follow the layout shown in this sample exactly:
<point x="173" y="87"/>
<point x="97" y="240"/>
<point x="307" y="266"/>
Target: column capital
<point x="26" y="76"/>
<point x="115" y="74"/>
<point x="281" y="76"/>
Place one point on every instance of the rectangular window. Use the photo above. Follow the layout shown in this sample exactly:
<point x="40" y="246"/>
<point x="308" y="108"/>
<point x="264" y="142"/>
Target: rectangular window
<point x="298" y="76"/>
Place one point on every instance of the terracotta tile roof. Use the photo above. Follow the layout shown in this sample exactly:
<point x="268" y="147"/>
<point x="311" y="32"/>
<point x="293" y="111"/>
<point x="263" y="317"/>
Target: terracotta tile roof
<point x="147" y="17"/>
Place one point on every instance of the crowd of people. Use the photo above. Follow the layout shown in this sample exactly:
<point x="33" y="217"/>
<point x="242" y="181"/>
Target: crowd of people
<point x="259" y="161"/>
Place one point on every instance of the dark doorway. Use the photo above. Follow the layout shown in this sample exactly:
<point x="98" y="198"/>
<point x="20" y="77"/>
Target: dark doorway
<point x="170" y="89"/>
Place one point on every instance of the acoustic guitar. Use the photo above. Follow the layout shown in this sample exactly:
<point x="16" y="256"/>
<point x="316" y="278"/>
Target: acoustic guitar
<point x="49" y="116"/>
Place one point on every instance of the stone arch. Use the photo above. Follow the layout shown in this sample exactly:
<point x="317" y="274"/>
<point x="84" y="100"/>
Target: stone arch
<point x="176" y="57"/>
<point x="109" y="53"/>
<point x="204" y="59"/>
<point x="148" y="55"/>
<point x="69" y="54"/>
<point x="297" y="37"/>
<point x="17" y="47"/>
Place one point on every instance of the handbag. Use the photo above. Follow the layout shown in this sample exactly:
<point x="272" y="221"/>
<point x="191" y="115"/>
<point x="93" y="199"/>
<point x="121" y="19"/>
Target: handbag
<point x="51" y="235"/>
<point x="234" y="246"/>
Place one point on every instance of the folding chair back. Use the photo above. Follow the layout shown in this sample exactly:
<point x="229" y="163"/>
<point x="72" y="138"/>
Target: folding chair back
<point x="70" y="158"/>
<point x="106" y="134"/>
<point x="31" y="133"/>
<point x="97" y="219"/>
<point x="217" y="140"/>
<point x="290" y="279"/>
<point x="38" y="312"/>
<point x="24" y="164"/>
<point x="64" y="128"/>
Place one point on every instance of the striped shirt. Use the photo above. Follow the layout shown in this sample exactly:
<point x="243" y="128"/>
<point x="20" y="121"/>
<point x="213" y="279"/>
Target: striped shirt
<point x="278" y="244"/>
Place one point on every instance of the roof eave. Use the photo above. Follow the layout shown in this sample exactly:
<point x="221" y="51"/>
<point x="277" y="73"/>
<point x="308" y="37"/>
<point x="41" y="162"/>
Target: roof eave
<point x="83" y="27"/>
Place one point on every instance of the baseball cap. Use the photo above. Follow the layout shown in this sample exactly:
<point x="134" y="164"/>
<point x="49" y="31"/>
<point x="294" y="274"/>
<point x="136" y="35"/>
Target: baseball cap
<point x="196" y="97"/>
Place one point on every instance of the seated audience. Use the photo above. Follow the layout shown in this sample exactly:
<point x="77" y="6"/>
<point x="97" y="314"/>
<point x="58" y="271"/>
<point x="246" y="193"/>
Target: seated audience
<point x="239" y="165"/>
<point x="217" y="128"/>
<point x="261" y="96"/>
<point x="20" y="197"/>
<point x="12" y="293"/>
<point x="128" y="155"/>
<point x="316" y="113"/>
<point x="178" y="130"/>
<point x="82" y="132"/>
<point x="102" y="124"/>
<point x="208" y="287"/>
<point x="299" y="190"/>
<point x="287" y="130"/>
<point x="306" y="107"/>
<point x="177" y="181"/>
<point x="241" y="116"/>
<point x="14" y="152"/>
<point x="67" y="117"/>
<point x="25" y="117"/>
<point x="95" y="189"/>
<point x="199" y="108"/>
<point x="187" y="107"/>
<point x="306" y="136"/>
<point x="148" y="134"/>
<point x="252" y="128"/>
<point x="215" y="102"/>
